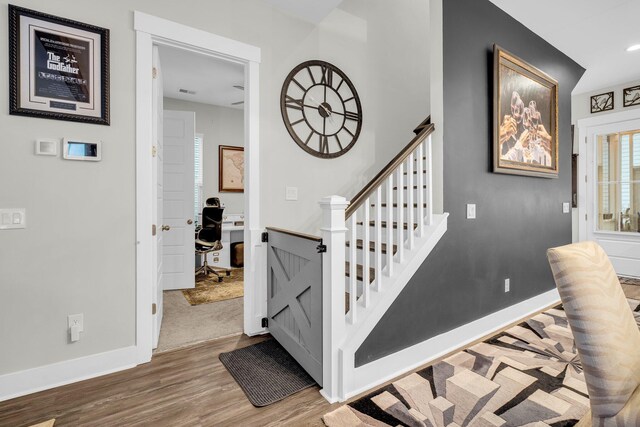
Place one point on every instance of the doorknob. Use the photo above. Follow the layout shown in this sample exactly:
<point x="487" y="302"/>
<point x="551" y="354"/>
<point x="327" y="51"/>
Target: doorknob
<point x="189" y="221"/>
<point x="166" y="228"/>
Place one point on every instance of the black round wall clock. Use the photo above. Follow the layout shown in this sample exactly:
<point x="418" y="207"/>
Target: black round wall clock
<point x="321" y="109"/>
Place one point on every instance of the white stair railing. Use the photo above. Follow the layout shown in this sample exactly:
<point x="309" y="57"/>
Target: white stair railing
<point x="366" y="239"/>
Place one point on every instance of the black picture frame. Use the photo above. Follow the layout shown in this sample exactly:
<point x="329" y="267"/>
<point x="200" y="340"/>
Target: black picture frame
<point x="631" y="96"/>
<point x="602" y="102"/>
<point x="58" y="68"/>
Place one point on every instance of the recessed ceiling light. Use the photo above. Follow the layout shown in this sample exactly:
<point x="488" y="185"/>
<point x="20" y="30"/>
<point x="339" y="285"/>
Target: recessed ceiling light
<point x="633" y="48"/>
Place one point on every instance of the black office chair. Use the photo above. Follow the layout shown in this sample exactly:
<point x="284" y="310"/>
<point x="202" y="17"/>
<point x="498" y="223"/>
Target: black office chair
<point x="208" y="239"/>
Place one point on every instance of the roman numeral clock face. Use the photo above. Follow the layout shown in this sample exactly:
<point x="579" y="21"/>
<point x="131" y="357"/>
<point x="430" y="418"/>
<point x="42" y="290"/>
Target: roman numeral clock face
<point x="321" y="109"/>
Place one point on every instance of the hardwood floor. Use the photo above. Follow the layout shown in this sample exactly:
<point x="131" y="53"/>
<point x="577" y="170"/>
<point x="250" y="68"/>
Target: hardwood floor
<point x="185" y="387"/>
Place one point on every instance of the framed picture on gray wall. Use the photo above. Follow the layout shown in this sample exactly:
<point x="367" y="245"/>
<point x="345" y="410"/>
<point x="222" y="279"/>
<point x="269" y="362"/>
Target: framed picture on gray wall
<point x="525" y="122"/>
<point x="58" y="68"/>
<point x="230" y="169"/>
<point x="631" y="96"/>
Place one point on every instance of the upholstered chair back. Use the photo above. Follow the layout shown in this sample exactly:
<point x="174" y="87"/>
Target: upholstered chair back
<point x="606" y="334"/>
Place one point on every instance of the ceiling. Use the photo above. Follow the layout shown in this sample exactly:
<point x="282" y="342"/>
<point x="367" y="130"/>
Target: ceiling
<point x="211" y="79"/>
<point x="594" y="33"/>
<point x="309" y="10"/>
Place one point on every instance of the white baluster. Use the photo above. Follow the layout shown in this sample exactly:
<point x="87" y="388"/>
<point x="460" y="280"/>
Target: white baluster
<point x="365" y="253"/>
<point x="390" y="199"/>
<point x="378" y="239"/>
<point x="429" y="182"/>
<point x="400" y="212"/>
<point x="353" y="262"/>
<point x="420" y="190"/>
<point x="410" y="183"/>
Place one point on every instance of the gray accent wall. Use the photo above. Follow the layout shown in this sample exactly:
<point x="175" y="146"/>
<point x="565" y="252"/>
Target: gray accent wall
<point x="518" y="217"/>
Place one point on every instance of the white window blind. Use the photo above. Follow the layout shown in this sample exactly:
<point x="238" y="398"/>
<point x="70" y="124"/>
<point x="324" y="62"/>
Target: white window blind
<point x="197" y="169"/>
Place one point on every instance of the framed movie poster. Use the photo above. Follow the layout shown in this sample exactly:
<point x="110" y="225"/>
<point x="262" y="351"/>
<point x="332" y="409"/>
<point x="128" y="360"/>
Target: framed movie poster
<point x="525" y="118"/>
<point x="59" y="68"/>
<point x="230" y="169"/>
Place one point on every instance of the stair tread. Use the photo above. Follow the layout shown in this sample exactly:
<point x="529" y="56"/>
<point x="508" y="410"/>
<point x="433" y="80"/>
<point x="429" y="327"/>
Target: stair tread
<point x="395" y="205"/>
<point x="359" y="268"/>
<point x="383" y="224"/>
<point x="372" y="246"/>
<point x="415" y="187"/>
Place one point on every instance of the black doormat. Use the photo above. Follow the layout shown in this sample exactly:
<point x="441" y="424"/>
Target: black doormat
<point x="266" y="372"/>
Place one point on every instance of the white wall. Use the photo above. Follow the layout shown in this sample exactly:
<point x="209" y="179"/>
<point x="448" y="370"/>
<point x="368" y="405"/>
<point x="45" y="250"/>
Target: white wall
<point x="219" y="126"/>
<point x="581" y="109"/>
<point x="77" y="254"/>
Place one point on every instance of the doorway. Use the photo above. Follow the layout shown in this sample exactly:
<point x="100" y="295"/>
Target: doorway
<point x="152" y="31"/>
<point x="203" y="197"/>
<point x="610" y="212"/>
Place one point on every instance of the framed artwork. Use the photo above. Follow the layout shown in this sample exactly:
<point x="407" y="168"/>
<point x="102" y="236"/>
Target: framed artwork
<point x="631" y="96"/>
<point x="230" y="169"/>
<point x="58" y="68"/>
<point x="525" y="123"/>
<point x="602" y="102"/>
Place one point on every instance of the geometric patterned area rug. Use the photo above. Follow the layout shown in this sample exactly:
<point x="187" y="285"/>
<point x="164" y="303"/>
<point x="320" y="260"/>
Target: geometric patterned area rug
<point x="528" y="375"/>
<point x="209" y="290"/>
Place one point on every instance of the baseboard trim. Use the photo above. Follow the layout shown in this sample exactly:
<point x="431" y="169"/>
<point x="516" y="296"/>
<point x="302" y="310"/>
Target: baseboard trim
<point x="380" y="371"/>
<point x="33" y="380"/>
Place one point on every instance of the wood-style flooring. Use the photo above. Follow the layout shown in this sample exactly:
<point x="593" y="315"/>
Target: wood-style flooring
<point x="185" y="387"/>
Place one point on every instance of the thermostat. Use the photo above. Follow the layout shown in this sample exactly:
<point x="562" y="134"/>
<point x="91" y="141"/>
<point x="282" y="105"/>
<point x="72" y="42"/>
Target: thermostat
<point x="47" y="147"/>
<point x="82" y="150"/>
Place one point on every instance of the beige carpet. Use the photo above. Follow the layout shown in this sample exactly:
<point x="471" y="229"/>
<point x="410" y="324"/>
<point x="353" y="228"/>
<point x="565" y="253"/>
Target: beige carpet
<point x="184" y="325"/>
<point x="209" y="290"/>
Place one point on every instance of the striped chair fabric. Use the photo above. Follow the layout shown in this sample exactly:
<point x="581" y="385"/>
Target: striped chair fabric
<point x="606" y="334"/>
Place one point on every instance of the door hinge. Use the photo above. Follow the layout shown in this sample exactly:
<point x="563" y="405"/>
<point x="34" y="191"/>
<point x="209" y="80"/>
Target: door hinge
<point x="321" y="248"/>
<point x="154" y="72"/>
<point x="154" y="308"/>
<point x="265" y="237"/>
<point x="585" y="178"/>
<point x="585" y="217"/>
<point x="154" y="151"/>
<point x="265" y="322"/>
<point x="153" y="229"/>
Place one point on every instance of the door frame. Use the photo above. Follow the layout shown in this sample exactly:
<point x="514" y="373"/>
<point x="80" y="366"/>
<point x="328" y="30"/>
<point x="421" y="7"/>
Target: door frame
<point x="586" y="129"/>
<point x="151" y="30"/>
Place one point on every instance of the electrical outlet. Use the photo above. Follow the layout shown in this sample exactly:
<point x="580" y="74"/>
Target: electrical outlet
<point x="471" y="211"/>
<point x="507" y="285"/>
<point x="76" y="320"/>
<point x="566" y="207"/>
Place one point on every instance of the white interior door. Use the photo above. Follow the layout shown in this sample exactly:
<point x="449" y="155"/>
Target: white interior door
<point x="612" y="214"/>
<point x="178" y="250"/>
<point x="157" y="196"/>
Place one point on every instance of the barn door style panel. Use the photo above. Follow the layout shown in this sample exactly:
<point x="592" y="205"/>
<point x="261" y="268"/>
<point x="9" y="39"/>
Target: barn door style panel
<point x="294" y="300"/>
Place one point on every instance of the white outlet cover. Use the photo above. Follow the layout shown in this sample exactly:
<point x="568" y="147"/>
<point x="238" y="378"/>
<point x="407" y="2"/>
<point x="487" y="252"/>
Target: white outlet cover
<point x="471" y="211"/>
<point x="507" y="285"/>
<point x="566" y="207"/>
<point x="13" y="218"/>
<point x="76" y="319"/>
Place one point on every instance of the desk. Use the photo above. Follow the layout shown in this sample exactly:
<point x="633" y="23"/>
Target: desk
<point x="231" y="233"/>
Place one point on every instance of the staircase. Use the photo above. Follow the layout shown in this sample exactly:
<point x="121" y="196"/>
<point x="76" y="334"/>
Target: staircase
<point x="380" y="239"/>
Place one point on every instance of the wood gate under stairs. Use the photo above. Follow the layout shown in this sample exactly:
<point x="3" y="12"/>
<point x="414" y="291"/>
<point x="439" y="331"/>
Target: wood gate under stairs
<point x="294" y="296"/>
<point x="326" y="294"/>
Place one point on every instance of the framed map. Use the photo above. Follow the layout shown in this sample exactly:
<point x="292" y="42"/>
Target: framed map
<point x="230" y="169"/>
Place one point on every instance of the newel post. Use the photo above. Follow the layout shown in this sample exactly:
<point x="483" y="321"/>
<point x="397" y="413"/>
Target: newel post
<point x="333" y="285"/>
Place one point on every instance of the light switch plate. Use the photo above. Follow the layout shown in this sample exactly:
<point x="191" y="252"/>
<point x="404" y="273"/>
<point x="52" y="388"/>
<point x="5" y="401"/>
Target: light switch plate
<point x="566" y="207"/>
<point x="12" y="219"/>
<point x="471" y="211"/>
<point x="291" y="193"/>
